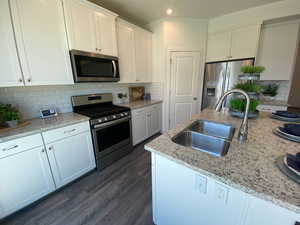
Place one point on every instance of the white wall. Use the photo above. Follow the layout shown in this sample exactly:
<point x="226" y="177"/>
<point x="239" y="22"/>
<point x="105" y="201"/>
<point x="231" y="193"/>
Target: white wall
<point x="185" y="34"/>
<point x="255" y="15"/>
<point x="29" y="100"/>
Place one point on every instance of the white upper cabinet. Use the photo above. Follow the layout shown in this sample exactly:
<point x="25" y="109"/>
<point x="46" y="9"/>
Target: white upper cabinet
<point x="80" y="25"/>
<point x="218" y="46"/>
<point x="244" y="42"/>
<point x="135" y="53"/>
<point x="90" y="28"/>
<point x="235" y="44"/>
<point x="143" y="54"/>
<point x="126" y="48"/>
<point x="10" y="70"/>
<point x="277" y="50"/>
<point x="42" y="43"/>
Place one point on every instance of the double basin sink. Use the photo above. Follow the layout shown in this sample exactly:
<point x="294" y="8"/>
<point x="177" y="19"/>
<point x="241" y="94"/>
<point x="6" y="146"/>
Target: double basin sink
<point x="207" y="136"/>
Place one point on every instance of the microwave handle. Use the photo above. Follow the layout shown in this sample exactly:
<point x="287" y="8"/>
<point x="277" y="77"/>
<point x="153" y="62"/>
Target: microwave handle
<point x="115" y="68"/>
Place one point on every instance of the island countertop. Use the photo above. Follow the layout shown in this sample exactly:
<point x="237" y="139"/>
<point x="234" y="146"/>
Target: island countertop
<point x="249" y="167"/>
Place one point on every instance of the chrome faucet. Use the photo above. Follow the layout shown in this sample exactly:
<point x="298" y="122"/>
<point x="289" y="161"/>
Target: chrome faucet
<point x="243" y="132"/>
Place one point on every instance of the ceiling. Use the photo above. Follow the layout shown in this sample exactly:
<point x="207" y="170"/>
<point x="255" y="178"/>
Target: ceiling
<point x="146" y="11"/>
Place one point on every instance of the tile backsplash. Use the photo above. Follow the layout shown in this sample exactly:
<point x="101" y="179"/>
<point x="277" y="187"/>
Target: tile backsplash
<point x="29" y="100"/>
<point x="283" y="90"/>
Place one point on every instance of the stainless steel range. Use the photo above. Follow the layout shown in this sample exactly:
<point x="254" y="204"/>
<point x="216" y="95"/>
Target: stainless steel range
<point x="110" y="126"/>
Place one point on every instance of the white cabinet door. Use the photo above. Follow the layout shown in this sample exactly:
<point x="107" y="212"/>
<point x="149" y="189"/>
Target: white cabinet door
<point x="218" y="46"/>
<point x="25" y="177"/>
<point x="81" y="25"/>
<point x="244" y="42"/>
<point x="154" y="119"/>
<point x="126" y="49"/>
<point x="261" y="212"/>
<point x="42" y="43"/>
<point x="277" y="50"/>
<point x="106" y="34"/>
<point x="143" y="55"/>
<point x="139" y="126"/>
<point x="71" y="158"/>
<point x="10" y="70"/>
<point x="90" y="27"/>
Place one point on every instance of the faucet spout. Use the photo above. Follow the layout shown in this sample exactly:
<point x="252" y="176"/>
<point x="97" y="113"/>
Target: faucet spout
<point x="243" y="132"/>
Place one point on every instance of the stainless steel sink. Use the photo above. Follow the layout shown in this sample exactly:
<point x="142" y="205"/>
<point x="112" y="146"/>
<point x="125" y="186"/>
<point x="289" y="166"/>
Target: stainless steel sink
<point x="212" y="145"/>
<point x="207" y="136"/>
<point x="211" y="128"/>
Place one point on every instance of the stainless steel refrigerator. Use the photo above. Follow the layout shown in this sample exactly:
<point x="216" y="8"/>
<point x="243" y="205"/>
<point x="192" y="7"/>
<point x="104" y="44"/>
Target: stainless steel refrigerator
<point x="220" y="77"/>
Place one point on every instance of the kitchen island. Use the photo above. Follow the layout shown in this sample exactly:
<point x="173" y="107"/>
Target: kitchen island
<point x="242" y="188"/>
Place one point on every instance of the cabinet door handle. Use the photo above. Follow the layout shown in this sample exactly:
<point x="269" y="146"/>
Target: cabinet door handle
<point x="69" y="131"/>
<point x="10" y="148"/>
<point x="21" y="80"/>
<point x="43" y="150"/>
<point x="29" y="80"/>
<point x="50" y="148"/>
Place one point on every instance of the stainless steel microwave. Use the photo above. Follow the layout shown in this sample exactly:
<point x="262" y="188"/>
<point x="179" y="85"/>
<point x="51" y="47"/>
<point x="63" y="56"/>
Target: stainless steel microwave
<point x="92" y="67"/>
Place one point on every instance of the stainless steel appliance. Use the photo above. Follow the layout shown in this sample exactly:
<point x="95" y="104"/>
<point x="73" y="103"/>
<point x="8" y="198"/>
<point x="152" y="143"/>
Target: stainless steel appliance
<point x="219" y="78"/>
<point x="110" y="126"/>
<point x="91" y="67"/>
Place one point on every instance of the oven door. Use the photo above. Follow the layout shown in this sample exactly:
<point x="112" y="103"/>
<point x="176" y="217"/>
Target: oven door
<point x="90" y="67"/>
<point x="112" y="136"/>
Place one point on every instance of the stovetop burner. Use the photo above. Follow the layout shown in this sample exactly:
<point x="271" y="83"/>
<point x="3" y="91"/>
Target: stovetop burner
<point x="99" y="107"/>
<point x="101" y="111"/>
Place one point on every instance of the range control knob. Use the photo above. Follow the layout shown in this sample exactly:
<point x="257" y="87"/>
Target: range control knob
<point x="121" y="114"/>
<point x="114" y="117"/>
<point x="100" y="121"/>
<point x="105" y="119"/>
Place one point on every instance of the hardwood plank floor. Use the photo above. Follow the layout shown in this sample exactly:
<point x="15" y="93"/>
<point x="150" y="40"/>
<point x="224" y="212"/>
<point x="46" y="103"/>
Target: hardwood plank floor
<point x="119" y="195"/>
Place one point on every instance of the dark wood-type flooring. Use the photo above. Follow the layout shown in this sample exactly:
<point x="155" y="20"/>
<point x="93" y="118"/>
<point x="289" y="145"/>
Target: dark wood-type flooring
<point x="119" y="195"/>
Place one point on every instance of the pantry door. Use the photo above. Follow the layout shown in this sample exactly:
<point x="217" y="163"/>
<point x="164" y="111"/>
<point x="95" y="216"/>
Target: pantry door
<point x="184" y="86"/>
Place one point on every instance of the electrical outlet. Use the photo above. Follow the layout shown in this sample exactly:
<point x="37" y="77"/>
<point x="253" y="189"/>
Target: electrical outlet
<point x="201" y="184"/>
<point x="221" y="193"/>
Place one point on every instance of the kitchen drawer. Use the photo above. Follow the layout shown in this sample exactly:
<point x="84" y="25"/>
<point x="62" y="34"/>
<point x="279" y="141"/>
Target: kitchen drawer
<point x="139" y="111"/>
<point x="64" y="132"/>
<point x="20" y="144"/>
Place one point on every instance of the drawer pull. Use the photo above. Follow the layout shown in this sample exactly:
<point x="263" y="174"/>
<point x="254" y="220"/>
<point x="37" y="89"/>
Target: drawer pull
<point x="7" y="149"/>
<point x="69" y="131"/>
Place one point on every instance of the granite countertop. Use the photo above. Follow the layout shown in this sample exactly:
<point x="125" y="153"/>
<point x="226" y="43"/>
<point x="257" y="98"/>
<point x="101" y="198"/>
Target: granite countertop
<point x="249" y="167"/>
<point x="40" y="125"/>
<point x="140" y="104"/>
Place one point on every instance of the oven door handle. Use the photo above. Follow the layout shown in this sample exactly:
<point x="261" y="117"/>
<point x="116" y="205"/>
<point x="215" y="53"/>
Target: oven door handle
<point x="115" y="68"/>
<point x="111" y="123"/>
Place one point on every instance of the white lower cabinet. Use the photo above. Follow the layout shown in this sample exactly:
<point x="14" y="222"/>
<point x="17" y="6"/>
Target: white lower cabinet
<point x="183" y="196"/>
<point x="71" y="157"/>
<point x="146" y="122"/>
<point x="264" y="213"/>
<point x="30" y="170"/>
<point x="24" y="173"/>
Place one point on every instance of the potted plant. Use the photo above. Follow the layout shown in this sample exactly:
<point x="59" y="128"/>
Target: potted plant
<point x="9" y="115"/>
<point x="238" y="107"/>
<point x="251" y="88"/>
<point x="251" y="72"/>
<point x="270" y="90"/>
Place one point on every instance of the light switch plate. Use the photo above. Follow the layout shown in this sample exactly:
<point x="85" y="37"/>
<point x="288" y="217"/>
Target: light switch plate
<point x="201" y="184"/>
<point x="221" y="193"/>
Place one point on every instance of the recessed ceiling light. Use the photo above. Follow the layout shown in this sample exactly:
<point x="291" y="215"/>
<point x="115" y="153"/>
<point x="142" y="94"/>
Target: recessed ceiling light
<point x="169" y="11"/>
